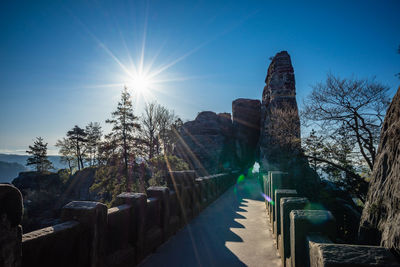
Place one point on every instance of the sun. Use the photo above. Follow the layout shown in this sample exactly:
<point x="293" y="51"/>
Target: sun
<point x="140" y="83"/>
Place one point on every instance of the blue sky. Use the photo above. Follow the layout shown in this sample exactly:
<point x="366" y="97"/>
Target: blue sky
<point x="62" y="62"/>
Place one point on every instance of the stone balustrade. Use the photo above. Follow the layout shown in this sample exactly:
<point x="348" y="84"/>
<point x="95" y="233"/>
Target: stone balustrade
<point x="305" y="236"/>
<point x="92" y="235"/>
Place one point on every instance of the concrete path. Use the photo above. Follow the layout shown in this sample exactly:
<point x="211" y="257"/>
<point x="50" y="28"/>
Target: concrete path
<point x="232" y="231"/>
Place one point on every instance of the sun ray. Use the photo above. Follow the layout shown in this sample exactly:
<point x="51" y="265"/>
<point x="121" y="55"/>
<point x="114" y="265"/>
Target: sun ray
<point x="153" y="59"/>
<point x="132" y="64"/>
<point x="107" y="85"/>
<point x="141" y="62"/>
<point x="140" y="75"/>
<point x="169" y="65"/>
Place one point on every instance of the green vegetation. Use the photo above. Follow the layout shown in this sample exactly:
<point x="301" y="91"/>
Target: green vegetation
<point x="137" y="153"/>
<point x="125" y="125"/>
<point x="109" y="181"/>
<point x="160" y="166"/>
<point x="136" y="149"/>
<point x="39" y="156"/>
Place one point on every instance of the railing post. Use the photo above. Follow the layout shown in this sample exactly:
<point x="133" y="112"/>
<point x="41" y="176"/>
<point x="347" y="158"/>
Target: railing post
<point x="279" y="194"/>
<point x="303" y="222"/>
<point x="161" y="193"/>
<point x="11" y="209"/>
<point x="93" y="217"/>
<point x="287" y="205"/>
<point x="139" y="203"/>
<point x="278" y="180"/>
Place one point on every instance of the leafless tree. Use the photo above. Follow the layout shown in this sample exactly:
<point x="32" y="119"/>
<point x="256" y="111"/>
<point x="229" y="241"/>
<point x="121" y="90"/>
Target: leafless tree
<point x="149" y="128"/>
<point x="350" y="108"/>
<point x="67" y="151"/>
<point x="157" y="126"/>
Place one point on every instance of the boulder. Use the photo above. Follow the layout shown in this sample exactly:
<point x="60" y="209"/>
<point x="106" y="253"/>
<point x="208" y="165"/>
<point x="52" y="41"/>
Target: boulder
<point x="380" y="221"/>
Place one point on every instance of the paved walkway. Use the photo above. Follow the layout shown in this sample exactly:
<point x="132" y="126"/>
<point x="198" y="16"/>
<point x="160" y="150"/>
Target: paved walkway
<point x="232" y="231"/>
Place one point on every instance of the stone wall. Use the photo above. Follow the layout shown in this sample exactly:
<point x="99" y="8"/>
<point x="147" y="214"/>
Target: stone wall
<point x="92" y="235"/>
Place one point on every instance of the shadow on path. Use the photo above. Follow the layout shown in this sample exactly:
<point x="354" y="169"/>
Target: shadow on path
<point x="232" y="231"/>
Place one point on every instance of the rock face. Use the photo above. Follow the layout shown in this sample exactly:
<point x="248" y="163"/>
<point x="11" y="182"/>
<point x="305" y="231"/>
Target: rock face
<point x="206" y="143"/>
<point x="45" y="193"/>
<point x="246" y="125"/>
<point x="267" y="132"/>
<point x="380" y="221"/>
<point x="280" y="123"/>
<point x="80" y="183"/>
<point x="42" y="192"/>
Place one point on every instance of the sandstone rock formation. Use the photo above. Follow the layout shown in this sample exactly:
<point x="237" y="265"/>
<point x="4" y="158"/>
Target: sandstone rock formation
<point x="280" y="123"/>
<point x="380" y="222"/>
<point x="268" y="132"/>
<point x="45" y="193"/>
<point x="42" y="193"/>
<point x="246" y="125"/>
<point x="279" y="142"/>
<point x="206" y="142"/>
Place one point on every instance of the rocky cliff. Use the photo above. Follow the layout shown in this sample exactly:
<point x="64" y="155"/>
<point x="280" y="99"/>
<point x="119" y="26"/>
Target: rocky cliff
<point x="45" y="193"/>
<point x="42" y="194"/>
<point x="267" y="131"/>
<point x="206" y="143"/>
<point x="380" y="222"/>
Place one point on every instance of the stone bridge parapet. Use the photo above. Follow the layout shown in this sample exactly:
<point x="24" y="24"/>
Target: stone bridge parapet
<point x="92" y="235"/>
<point x="306" y="235"/>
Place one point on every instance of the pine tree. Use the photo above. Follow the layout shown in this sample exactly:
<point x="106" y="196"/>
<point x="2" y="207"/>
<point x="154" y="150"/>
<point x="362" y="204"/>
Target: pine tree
<point x="124" y="127"/>
<point x="78" y="137"/>
<point x="39" y="156"/>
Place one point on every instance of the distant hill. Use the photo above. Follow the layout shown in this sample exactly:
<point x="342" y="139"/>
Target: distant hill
<point x="9" y="171"/>
<point x="21" y="159"/>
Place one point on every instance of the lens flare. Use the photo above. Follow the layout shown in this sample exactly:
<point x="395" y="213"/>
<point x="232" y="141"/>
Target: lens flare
<point x="240" y="179"/>
<point x="267" y="198"/>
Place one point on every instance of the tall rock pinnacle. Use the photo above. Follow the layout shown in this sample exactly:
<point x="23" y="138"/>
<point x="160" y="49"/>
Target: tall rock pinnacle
<point x="280" y="123"/>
